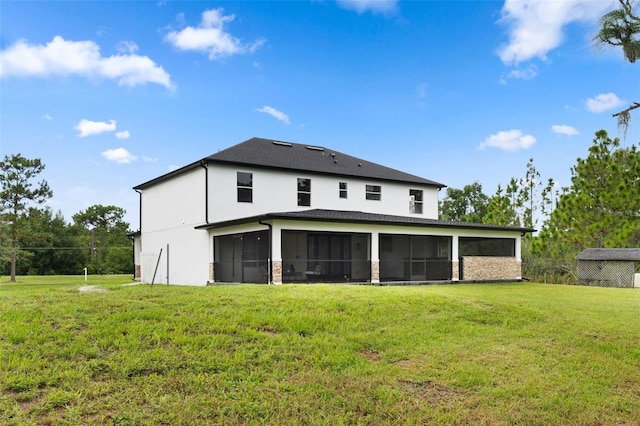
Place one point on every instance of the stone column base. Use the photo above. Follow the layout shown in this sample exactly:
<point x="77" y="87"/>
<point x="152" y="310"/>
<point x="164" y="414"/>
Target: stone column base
<point x="455" y="270"/>
<point x="375" y="271"/>
<point x="276" y="272"/>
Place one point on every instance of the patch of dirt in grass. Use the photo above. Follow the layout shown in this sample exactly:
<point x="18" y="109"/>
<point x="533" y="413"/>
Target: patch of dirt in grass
<point x="430" y="391"/>
<point x="27" y="402"/>
<point x="91" y="289"/>
<point x="631" y="386"/>
<point x="595" y="336"/>
<point x="407" y="363"/>
<point x="370" y="355"/>
<point x="269" y="330"/>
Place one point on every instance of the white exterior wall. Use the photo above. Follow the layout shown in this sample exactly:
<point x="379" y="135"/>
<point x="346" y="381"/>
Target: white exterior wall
<point x="170" y="211"/>
<point x="277" y="191"/>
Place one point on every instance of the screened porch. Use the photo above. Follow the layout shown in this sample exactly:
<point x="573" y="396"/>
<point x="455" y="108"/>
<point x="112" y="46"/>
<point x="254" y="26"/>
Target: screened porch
<point x="242" y="258"/>
<point x="325" y="257"/>
<point x="415" y="258"/>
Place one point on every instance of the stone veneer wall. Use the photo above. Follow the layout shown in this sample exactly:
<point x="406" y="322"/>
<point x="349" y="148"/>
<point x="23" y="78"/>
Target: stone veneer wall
<point x="138" y="272"/>
<point x="212" y="275"/>
<point x="276" y="266"/>
<point x="486" y="268"/>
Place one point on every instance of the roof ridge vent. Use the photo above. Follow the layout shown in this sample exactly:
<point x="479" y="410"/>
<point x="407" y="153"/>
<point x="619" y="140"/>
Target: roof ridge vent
<point x="315" y="148"/>
<point x="281" y="143"/>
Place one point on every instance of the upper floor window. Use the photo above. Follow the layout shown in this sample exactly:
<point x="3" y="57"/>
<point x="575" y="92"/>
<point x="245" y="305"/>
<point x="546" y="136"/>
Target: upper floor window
<point x="245" y="187"/>
<point x="304" y="192"/>
<point x="415" y="201"/>
<point x="373" y="192"/>
<point x="343" y="189"/>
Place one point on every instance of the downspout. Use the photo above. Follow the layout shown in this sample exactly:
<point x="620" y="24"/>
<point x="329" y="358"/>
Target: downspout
<point x="133" y="241"/>
<point x="204" y="165"/>
<point x="139" y="209"/>
<point x="269" y="261"/>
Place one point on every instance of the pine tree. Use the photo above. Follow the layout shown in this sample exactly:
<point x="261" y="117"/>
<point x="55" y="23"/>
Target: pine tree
<point x="17" y="193"/>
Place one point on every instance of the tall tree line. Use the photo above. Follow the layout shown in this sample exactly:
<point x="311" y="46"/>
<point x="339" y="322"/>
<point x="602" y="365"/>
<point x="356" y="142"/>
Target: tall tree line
<point x="35" y="240"/>
<point x="601" y="208"/>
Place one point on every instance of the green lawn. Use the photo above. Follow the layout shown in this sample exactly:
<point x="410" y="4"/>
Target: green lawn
<point x="521" y="353"/>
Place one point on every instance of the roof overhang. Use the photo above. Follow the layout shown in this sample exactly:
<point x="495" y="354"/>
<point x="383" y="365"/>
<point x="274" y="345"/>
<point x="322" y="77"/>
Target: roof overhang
<point x="205" y="161"/>
<point x="616" y="254"/>
<point x="337" y="216"/>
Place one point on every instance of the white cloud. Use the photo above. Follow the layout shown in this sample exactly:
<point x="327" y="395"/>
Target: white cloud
<point x="524" y="74"/>
<point x="127" y="47"/>
<point x="211" y="37"/>
<point x="131" y="70"/>
<point x="375" y="6"/>
<point x="123" y="134"/>
<point x="603" y="102"/>
<point x="508" y="140"/>
<point x="88" y="127"/>
<point x="149" y="159"/>
<point x="47" y="117"/>
<point x="60" y="57"/>
<point x="275" y="113"/>
<point x="119" y="155"/>
<point x="563" y="129"/>
<point x="536" y="26"/>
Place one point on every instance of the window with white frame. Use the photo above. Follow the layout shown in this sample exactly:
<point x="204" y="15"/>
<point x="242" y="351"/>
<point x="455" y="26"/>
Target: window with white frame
<point x="245" y="187"/>
<point x="373" y="192"/>
<point x="415" y="201"/>
<point x="304" y="192"/>
<point x="343" y="189"/>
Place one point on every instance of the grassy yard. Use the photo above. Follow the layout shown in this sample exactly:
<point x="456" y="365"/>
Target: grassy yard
<point x="522" y="353"/>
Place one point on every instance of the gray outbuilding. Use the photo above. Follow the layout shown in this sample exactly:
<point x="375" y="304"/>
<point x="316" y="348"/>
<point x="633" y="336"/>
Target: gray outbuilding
<point x="609" y="267"/>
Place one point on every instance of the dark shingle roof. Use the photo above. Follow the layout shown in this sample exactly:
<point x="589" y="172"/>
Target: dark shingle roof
<point x="292" y="156"/>
<point x="630" y="254"/>
<point x="266" y="153"/>
<point x="362" y="217"/>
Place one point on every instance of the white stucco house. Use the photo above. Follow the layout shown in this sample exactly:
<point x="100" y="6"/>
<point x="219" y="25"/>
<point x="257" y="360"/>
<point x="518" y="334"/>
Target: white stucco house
<point x="266" y="211"/>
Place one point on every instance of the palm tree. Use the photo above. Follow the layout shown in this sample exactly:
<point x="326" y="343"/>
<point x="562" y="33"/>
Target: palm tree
<point x="621" y="27"/>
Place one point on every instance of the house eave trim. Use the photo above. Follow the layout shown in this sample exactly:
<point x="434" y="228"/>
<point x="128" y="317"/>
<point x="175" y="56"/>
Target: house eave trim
<point x="372" y="220"/>
<point x="425" y="182"/>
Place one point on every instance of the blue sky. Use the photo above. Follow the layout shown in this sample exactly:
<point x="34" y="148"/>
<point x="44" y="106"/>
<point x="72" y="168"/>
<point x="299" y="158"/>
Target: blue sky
<point x="112" y="94"/>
